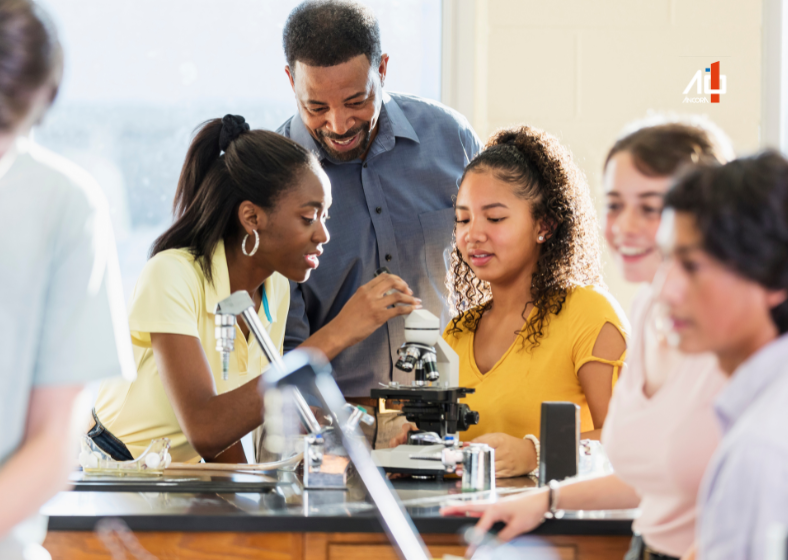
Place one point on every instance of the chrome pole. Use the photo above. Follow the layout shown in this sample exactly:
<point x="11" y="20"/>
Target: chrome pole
<point x="394" y="517"/>
<point x="240" y="303"/>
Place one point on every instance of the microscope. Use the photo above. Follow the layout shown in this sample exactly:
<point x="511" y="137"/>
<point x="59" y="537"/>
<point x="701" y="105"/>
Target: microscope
<point x="431" y="401"/>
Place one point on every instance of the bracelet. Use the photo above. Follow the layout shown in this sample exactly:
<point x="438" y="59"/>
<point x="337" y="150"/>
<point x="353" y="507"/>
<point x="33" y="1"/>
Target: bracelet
<point x="535" y="441"/>
<point x="552" y="498"/>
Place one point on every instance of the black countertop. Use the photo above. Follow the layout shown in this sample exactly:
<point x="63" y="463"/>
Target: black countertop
<point x="278" y="503"/>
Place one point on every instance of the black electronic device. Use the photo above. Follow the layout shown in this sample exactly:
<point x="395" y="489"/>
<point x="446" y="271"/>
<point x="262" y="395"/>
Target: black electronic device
<point x="559" y="441"/>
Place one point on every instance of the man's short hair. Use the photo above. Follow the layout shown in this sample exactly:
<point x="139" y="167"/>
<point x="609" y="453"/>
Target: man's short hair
<point x="330" y="32"/>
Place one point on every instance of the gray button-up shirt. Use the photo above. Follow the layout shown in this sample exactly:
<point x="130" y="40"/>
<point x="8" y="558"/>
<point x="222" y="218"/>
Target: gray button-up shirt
<point x="393" y="209"/>
<point x="745" y="488"/>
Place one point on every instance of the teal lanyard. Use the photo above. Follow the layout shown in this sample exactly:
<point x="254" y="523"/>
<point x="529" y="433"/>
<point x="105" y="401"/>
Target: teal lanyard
<point x="265" y="306"/>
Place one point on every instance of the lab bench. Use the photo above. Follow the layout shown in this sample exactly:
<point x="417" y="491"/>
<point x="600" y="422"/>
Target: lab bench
<point x="205" y="516"/>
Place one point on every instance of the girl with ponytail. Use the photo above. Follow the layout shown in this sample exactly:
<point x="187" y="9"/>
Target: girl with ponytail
<point x="250" y="214"/>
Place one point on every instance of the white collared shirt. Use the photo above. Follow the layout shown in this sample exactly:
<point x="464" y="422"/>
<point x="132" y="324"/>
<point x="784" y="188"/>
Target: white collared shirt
<point x="745" y="488"/>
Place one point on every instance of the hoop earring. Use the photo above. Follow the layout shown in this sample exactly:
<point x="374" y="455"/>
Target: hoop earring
<point x="256" y="244"/>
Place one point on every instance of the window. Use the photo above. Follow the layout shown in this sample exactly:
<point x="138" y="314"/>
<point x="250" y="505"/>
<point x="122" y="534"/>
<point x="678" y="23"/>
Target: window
<point x="141" y="76"/>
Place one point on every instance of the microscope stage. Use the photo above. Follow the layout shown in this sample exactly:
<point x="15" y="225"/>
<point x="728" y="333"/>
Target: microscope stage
<point x="414" y="393"/>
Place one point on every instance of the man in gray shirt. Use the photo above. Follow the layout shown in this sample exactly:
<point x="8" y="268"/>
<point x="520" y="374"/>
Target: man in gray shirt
<point x="394" y="162"/>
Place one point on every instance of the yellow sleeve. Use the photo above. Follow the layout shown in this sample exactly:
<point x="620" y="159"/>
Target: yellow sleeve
<point x="592" y="309"/>
<point x="166" y="299"/>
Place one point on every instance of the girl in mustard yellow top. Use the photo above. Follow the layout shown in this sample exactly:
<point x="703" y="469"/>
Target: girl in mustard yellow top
<point x="533" y="323"/>
<point x="250" y="211"/>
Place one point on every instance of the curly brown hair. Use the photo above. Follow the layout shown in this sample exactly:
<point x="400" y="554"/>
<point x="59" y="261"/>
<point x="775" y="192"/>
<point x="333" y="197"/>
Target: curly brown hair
<point x="541" y="171"/>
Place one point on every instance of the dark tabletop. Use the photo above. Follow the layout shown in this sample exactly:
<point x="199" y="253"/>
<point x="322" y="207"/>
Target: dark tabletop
<point x="278" y="503"/>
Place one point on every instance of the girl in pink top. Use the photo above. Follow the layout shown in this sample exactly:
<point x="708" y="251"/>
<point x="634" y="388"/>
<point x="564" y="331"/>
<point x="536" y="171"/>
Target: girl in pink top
<point x="661" y="430"/>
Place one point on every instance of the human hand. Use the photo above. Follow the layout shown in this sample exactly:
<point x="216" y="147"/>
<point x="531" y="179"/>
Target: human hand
<point x="520" y="513"/>
<point x="513" y="456"/>
<point x="322" y="417"/>
<point x="402" y="437"/>
<point x="372" y="305"/>
<point x="691" y="554"/>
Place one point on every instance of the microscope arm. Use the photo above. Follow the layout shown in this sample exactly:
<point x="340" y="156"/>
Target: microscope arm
<point x="448" y="363"/>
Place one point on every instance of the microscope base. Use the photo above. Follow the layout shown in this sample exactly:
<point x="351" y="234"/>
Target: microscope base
<point x="399" y="460"/>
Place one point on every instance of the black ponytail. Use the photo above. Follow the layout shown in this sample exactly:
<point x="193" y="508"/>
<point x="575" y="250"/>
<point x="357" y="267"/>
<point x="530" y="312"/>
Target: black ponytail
<point x="225" y="165"/>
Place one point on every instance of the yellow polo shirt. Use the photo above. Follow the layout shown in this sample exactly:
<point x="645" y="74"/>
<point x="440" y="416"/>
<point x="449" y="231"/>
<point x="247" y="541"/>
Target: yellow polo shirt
<point x="172" y="295"/>
<point x="508" y="398"/>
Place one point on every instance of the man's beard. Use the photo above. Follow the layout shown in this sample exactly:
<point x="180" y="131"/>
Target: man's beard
<point x="365" y="128"/>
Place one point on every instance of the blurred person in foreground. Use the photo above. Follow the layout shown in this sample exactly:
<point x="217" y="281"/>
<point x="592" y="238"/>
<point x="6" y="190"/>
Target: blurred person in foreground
<point x="62" y="317"/>
<point x="726" y="292"/>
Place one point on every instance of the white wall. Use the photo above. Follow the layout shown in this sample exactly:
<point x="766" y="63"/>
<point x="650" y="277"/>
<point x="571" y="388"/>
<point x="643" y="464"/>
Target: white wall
<point x="582" y="69"/>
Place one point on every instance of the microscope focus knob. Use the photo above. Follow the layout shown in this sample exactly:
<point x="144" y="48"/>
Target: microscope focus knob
<point x="467" y="418"/>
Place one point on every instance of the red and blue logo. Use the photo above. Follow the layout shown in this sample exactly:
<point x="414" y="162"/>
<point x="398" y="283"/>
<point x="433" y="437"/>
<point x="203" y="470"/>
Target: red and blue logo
<point x="710" y="82"/>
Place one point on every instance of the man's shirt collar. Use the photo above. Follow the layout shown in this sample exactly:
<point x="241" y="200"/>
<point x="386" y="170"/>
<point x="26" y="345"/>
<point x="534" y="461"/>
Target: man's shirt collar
<point x="392" y="124"/>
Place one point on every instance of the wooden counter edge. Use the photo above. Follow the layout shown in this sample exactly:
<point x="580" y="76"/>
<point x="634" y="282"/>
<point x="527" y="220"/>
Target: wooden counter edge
<point x="83" y="545"/>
